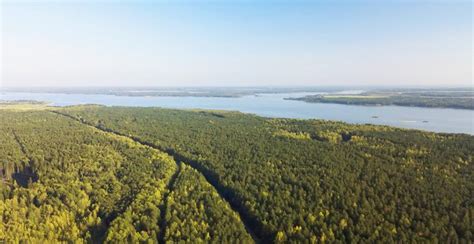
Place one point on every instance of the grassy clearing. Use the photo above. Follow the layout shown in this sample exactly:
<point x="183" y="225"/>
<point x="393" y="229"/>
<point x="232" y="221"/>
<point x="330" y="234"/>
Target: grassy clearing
<point x="355" y="96"/>
<point x="23" y="106"/>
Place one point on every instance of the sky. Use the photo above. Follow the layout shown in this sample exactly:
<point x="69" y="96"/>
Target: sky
<point x="235" y="43"/>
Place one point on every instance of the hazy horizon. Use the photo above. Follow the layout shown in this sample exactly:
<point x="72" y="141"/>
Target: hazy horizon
<point x="388" y="86"/>
<point x="236" y="44"/>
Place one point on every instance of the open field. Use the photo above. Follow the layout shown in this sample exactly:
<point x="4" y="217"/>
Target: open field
<point x="22" y="105"/>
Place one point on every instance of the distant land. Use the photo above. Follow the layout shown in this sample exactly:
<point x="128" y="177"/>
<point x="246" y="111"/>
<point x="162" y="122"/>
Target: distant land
<point x="434" y="98"/>
<point x="230" y="92"/>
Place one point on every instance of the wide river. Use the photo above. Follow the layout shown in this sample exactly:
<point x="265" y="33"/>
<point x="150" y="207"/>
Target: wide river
<point x="273" y="105"/>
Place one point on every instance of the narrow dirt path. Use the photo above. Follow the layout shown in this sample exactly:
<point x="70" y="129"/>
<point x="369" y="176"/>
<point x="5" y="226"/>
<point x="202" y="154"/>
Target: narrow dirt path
<point x="248" y="222"/>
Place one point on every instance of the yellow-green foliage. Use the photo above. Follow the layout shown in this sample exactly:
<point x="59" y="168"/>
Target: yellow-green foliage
<point x="50" y="221"/>
<point x="85" y="177"/>
<point x="140" y="222"/>
<point x="23" y="106"/>
<point x="371" y="184"/>
<point x="330" y="136"/>
<point x="368" y="184"/>
<point x="293" y="135"/>
<point x="197" y="214"/>
<point x="413" y="152"/>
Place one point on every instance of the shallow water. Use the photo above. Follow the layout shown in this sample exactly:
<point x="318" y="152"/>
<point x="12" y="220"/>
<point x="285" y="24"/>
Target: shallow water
<point x="273" y="105"/>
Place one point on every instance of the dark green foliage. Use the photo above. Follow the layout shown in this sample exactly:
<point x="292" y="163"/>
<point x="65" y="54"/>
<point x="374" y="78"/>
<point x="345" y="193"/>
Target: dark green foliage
<point x="296" y="180"/>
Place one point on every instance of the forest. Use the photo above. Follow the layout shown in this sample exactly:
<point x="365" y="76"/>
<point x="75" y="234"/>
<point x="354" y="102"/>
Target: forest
<point x="432" y="98"/>
<point x="118" y="174"/>
<point x="62" y="181"/>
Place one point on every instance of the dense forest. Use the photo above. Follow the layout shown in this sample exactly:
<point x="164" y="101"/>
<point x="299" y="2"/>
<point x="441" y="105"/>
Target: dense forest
<point x="64" y="181"/>
<point x="110" y="174"/>
<point x="195" y="209"/>
<point x="295" y="180"/>
<point x="463" y="99"/>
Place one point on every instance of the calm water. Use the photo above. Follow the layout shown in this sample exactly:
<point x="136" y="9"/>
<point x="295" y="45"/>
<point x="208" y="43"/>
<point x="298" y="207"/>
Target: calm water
<point x="273" y="105"/>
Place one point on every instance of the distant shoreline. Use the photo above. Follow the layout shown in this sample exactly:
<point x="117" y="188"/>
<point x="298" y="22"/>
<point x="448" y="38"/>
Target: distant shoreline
<point x="223" y="92"/>
<point x="463" y="99"/>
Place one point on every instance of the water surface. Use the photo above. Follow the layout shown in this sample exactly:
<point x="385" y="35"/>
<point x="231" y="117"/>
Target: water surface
<point x="273" y="105"/>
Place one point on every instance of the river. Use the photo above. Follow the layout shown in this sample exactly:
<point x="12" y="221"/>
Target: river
<point x="274" y="105"/>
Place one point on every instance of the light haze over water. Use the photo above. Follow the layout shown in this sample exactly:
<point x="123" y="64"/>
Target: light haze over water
<point x="274" y="105"/>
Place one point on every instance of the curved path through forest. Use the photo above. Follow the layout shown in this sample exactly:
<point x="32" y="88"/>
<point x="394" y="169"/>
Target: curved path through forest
<point x="248" y="223"/>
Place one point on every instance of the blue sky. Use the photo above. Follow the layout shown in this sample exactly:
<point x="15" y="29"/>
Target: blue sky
<point x="236" y="43"/>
